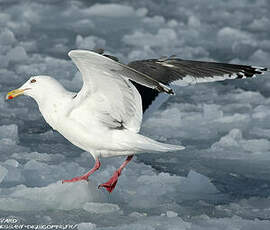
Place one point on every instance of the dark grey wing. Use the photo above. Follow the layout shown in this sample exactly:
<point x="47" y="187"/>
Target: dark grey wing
<point x="171" y="70"/>
<point x="185" y="72"/>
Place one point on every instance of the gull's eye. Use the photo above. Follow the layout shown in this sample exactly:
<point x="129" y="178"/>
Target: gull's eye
<point x="33" y="80"/>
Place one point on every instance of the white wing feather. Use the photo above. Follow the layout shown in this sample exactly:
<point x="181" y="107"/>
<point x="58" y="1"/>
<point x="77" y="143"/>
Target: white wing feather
<point x="106" y="95"/>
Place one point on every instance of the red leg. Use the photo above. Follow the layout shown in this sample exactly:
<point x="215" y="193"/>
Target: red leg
<point x="85" y="176"/>
<point x="111" y="183"/>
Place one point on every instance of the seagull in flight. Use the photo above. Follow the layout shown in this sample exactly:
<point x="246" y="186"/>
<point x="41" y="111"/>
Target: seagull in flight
<point x="105" y="116"/>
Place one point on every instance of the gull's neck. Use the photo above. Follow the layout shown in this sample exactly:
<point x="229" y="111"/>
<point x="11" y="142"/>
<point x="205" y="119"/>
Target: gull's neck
<point x="53" y="103"/>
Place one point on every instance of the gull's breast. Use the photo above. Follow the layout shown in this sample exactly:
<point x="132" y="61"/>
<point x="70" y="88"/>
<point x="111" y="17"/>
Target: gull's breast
<point x="89" y="139"/>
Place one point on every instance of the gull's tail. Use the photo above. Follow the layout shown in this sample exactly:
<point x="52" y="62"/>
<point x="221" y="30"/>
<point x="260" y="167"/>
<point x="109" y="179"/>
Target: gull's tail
<point x="139" y="144"/>
<point x="155" y="146"/>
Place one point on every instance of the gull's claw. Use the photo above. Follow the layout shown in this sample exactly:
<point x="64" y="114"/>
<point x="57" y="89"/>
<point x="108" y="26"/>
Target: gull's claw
<point x="75" y="179"/>
<point x="111" y="183"/>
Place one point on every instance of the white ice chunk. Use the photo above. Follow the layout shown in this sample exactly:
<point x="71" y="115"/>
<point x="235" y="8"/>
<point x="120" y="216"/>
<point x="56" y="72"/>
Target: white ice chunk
<point x="9" y="131"/>
<point x="198" y="183"/>
<point x="233" y="119"/>
<point x="255" y="207"/>
<point x="234" y="143"/>
<point x="100" y="208"/>
<point x="3" y="173"/>
<point x="42" y="157"/>
<point x="157" y="223"/>
<point x="12" y="162"/>
<point x="14" y="175"/>
<point x="137" y="214"/>
<point x="171" y="214"/>
<point x="9" y="146"/>
<point x="204" y="222"/>
<point x="54" y="196"/>
<point x="229" y="141"/>
<point x="86" y="226"/>
<point x="256" y="145"/>
<point x="42" y="174"/>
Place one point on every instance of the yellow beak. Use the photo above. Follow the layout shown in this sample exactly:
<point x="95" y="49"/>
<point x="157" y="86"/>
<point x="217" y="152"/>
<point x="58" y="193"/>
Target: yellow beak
<point x="14" y="93"/>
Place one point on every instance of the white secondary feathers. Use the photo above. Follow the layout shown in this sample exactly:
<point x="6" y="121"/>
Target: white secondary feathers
<point x="111" y="96"/>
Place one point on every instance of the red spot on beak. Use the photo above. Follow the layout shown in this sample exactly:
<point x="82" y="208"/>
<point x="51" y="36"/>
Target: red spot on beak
<point x="10" y="97"/>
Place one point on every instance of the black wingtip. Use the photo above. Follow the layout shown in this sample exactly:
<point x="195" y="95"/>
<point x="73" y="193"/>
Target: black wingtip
<point x="171" y="92"/>
<point x="259" y="69"/>
<point x="251" y="71"/>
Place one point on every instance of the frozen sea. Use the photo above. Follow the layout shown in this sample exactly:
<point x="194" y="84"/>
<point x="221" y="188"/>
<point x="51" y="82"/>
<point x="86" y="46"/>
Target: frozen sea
<point x="220" y="181"/>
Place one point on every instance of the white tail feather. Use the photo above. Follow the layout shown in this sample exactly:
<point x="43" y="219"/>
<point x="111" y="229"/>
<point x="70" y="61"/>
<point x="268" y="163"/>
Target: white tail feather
<point x="139" y="143"/>
<point x="155" y="146"/>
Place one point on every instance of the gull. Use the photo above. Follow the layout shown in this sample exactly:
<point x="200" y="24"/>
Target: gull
<point x="105" y="116"/>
